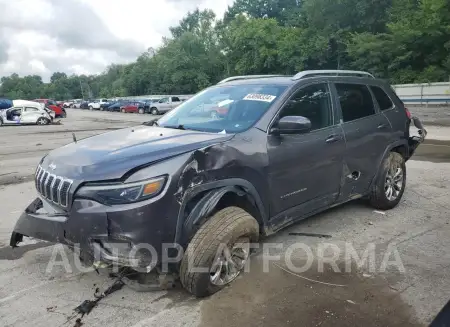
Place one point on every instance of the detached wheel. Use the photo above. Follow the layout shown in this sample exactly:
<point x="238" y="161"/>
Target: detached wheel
<point x="154" y="111"/>
<point x="389" y="187"/>
<point x="217" y="253"/>
<point x="42" y="121"/>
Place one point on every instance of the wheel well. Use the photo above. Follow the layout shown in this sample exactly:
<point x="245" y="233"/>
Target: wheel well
<point x="242" y="200"/>
<point x="402" y="150"/>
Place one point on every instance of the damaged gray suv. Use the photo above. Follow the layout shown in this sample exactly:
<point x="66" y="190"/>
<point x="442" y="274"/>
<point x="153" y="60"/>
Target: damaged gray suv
<point x="240" y="160"/>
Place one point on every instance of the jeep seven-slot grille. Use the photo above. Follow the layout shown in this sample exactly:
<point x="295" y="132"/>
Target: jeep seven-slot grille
<point x="53" y="188"/>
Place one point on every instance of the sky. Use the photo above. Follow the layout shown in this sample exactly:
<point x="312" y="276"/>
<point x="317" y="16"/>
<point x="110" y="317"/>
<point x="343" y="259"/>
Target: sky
<point x="85" y="36"/>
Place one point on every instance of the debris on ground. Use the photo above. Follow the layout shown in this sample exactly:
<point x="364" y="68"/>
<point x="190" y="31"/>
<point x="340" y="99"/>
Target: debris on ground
<point x="380" y="212"/>
<point x="51" y="309"/>
<point x="310" y="234"/>
<point x="367" y="275"/>
<point x="350" y="301"/>
<point x="370" y="223"/>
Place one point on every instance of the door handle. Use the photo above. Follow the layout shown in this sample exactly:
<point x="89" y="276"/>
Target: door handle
<point x="333" y="138"/>
<point x="381" y="126"/>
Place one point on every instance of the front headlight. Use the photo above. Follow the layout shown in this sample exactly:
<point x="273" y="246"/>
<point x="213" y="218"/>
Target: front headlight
<point x="124" y="193"/>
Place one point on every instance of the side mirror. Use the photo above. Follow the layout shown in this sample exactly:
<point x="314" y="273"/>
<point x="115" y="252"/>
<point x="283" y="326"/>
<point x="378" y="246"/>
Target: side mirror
<point x="292" y="125"/>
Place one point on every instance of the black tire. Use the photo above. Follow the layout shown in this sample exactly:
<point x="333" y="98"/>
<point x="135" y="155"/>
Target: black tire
<point x="42" y="121"/>
<point x="225" y="227"/>
<point x="91" y="108"/>
<point x="378" y="197"/>
<point x="154" y="111"/>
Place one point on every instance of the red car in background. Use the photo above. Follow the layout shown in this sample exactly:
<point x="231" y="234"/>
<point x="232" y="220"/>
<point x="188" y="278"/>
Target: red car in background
<point x="136" y="107"/>
<point x="59" y="112"/>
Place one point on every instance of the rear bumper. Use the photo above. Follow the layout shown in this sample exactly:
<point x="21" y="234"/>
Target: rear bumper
<point x="100" y="235"/>
<point x="415" y="140"/>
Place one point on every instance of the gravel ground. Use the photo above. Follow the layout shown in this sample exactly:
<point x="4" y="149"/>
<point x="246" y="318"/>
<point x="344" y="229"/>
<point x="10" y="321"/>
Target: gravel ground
<point x="409" y="291"/>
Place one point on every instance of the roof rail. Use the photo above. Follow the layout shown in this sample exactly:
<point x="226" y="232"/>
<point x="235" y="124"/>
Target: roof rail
<point x="311" y="73"/>
<point x="235" y="78"/>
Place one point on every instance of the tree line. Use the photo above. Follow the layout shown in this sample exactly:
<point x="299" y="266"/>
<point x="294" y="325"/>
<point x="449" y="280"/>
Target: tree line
<point x="404" y="41"/>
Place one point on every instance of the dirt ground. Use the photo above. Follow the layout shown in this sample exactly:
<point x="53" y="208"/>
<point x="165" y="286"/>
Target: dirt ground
<point x="418" y="229"/>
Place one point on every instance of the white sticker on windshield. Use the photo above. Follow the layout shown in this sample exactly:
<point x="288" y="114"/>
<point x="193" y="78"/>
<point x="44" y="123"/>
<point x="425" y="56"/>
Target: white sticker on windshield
<point x="260" y="97"/>
<point x="224" y="102"/>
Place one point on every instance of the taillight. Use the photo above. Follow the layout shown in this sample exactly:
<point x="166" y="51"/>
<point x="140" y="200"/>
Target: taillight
<point x="408" y="113"/>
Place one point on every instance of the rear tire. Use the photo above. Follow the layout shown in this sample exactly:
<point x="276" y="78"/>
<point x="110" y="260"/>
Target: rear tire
<point x="91" y="108"/>
<point x="388" y="188"/>
<point x="154" y="111"/>
<point x="42" y="121"/>
<point x="232" y="227"/>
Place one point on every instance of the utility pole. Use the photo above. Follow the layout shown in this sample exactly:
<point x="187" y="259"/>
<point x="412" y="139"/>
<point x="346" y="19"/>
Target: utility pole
<point x="81" y="87"/>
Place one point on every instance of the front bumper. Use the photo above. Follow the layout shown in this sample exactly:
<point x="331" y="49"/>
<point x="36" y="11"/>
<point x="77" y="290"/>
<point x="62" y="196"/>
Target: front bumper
<point x="131" y="237"/>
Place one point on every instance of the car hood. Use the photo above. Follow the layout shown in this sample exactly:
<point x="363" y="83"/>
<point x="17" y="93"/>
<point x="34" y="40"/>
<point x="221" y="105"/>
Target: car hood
<point x="111" y="155"/>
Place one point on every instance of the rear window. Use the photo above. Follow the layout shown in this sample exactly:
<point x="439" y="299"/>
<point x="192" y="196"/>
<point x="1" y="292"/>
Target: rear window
<point x="356" y="101"/>
<point x="384" y="102"/>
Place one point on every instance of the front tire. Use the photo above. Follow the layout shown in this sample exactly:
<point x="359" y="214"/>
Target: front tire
<point x="154" y="111"/>
<point x="388" y="188"/>
<point x="141" y="111"/>
<point x="221" y="247"/>
<point x="123" y="110"/>
<point x="42" y="121"/>
<point x="91" y="108"/>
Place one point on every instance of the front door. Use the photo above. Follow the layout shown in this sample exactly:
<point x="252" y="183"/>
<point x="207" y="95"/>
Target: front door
<point x="305" y="169"/>
<point x="367" y="133"/>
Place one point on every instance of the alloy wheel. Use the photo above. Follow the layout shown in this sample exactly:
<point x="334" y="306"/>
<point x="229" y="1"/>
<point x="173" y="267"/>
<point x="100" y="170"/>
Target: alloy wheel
<point x="394" y="182"/>
<point x="228" y="263"/>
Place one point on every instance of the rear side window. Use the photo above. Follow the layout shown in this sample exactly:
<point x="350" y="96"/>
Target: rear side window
<point x="356" y="101"/>
<point x="384" y="102"/>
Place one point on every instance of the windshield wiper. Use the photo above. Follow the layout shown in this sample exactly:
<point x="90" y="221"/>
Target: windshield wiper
<point x="153" y="122"/>
<point x="176" y="127"/>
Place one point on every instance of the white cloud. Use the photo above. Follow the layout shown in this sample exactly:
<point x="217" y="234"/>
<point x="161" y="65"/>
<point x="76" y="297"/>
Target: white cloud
<point x="85" y="36"/>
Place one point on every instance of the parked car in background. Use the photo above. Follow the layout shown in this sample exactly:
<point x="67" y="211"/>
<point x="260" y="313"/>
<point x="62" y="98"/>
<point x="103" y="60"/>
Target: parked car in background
<point x="164" y="105"/>
<point x="59" y="112"/>
<point x="98" y="104"/>
<point x="134" y="107"/>
<point x="84" y="104"/>
<point x="25" y="115"/>
<point x="76" y="103"/>
<point x="115" y="106"/>
<point x="5" y="103"/>
<point x="68" y="103"/>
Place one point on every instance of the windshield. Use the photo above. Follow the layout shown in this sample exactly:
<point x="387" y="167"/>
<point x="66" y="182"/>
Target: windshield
<point x="224" y="109"/>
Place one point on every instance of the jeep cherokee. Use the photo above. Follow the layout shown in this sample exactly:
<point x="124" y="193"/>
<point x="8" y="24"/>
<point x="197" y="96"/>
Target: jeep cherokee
<point x="287" y="148"/>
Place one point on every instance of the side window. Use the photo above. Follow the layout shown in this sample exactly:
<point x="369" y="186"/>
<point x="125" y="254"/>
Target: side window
<point x="29" y="109"/>
<point x="356" y="101"/>
<point x="384" y="102"/>
<point x="175" y="99"/>
<point x="312" y="102"/>
<point x="164" y="100"/>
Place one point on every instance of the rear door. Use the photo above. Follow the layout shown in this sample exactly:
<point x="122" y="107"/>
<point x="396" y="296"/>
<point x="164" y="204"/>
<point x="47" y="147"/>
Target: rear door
<point x="367" y="133"/>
